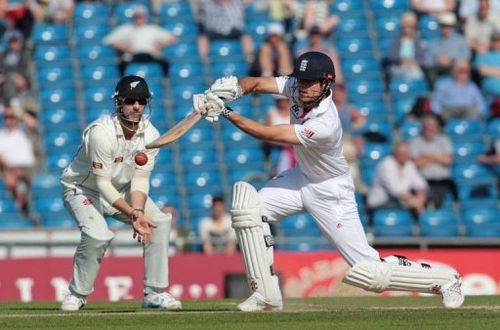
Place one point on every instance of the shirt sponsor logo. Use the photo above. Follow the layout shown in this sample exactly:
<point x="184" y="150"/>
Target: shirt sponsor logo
<point x="119" y="159"/>
<point x="97" y="165"/>
<point x="308" y="133"/>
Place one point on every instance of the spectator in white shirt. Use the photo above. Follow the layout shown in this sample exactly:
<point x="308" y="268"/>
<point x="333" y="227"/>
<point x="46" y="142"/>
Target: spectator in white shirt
<point x="397" y="183"/>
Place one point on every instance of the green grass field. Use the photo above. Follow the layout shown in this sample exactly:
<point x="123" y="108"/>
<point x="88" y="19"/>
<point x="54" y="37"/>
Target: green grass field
<point x="479" y="312"/>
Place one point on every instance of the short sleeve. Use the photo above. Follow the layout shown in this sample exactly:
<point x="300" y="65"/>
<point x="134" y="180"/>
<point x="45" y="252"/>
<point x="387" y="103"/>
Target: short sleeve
<point x="286" y="85"/>
<point x="312" y="132"/>
<point x="100" y="150"/>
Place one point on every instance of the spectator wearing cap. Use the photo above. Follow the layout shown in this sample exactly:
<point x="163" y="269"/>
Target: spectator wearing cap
<point x="220" y="20"/>
<point x="450" y="47"/>
<point x="406" y="52"/>
<point x="488" y="66"/>
<point x="458" y="97"/>
<point x="316" y="43"/>
<point x="53" y="11"/>
<point x="14" y="63"/>
<point x="274" y="57"/>
<point x="140" y="42"/>
<point x="480" y="27"/>
<point x="17" y="159"/>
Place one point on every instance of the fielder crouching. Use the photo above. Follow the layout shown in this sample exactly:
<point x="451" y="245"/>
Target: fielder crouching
<point x="104" y="179"/>
<point x="321" y="184"/>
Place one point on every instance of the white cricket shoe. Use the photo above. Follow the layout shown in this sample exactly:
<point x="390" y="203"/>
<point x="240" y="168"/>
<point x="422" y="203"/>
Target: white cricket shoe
<point x="452" y="294"/>
<point x="160" y="300"/>
<point x="73" y="303"/>
<point x="257" y="303"/>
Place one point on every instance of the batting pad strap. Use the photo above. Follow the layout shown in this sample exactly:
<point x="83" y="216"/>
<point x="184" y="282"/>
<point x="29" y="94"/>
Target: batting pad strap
<point x="379" y="276"/>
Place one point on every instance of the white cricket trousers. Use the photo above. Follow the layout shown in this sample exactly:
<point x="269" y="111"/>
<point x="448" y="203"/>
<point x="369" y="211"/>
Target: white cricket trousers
<point x="331" y="203"/>
<point x="88" y="212"/>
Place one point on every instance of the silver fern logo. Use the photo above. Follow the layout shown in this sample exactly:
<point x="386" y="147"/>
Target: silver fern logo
<point x="134" y="84"/>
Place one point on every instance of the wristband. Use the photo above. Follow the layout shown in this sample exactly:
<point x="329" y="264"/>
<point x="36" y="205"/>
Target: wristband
<point x="227" y="112"/>
<point x="138" y="210"/>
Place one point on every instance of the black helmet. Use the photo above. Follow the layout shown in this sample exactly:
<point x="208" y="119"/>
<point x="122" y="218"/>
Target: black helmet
<point x="314" y="66"/>
<point x="133" y="87"/>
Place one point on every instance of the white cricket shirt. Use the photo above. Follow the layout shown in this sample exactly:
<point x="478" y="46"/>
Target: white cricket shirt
<point x="105" y="152"/>
<point x="320" y="155"/>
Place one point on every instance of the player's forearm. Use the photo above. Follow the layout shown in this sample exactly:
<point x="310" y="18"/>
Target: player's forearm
<point x="138" y="199"/>
<point x="121" y="205"/>
<point x="258" y="85"/>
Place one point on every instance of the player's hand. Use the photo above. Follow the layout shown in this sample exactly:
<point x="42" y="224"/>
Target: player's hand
<point x="209" y="105"/>
<point x="227" y="88"/>
<point x="142" y="227"/>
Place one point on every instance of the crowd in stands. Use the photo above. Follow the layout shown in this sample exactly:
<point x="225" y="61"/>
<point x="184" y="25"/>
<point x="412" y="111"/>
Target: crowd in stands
<point x="448" y="50"/>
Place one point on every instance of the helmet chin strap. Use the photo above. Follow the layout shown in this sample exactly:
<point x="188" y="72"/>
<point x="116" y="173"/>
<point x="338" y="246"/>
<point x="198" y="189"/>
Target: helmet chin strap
<point x="127" y="122"/>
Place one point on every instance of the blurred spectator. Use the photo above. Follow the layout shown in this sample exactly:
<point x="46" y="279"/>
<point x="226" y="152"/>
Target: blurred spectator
<point x="223" y="19"/>
<point x="397" y="183"/>
<point x="450" y="47"/>
<point x="274" y="57"/>
<point x="278" y="115"/>
<point x="488" y="66"/>
<point x="492" y="157"/>
<point x="53" y="11"/>
<point x="14" y="63"/>
<point x="480" y="27"/>
<point x="469" y="8"/>
<point x="17" y="159"/>
<point x="458" y="97"/>
<point x="176" y="242"/>
<point x="352" y="141"/>
<point x="216" y="234"/>
<point x="432" y="152"/>
<point x="18" y="16"/>
<point x="316" y="43"/>
<point x="317" y="13"/>
<point x="282" y="11"/>
<point x="406" y="52"/>
<point x="140" y="41"/>
<point x="433" y="7"/>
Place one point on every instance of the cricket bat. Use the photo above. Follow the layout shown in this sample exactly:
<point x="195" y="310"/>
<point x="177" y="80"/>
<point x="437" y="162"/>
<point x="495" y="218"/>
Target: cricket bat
<point x="176" y="132"/>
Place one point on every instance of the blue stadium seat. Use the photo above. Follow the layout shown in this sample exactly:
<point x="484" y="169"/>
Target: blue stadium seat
<point x="354" y="46"/>
<point x="347" y="6"/>
<point x="401" y="107"/>
<point x="256" y="175"/>
<point x="388" y="26"/>
<point x="389" y="6"/>
<point x="46" y="184"/>
<point x="182" y="51"/>
<point x="46" y="33"/>
<point x="482" y="222"/>
<point x="102" y="95"/>
<point x="184" y="92"/>
<point x="229" y="68"/>
<point x="471" y="172"/>
<point x="52" y="55"/>
<point x="180" y="70"/>
<point x="55" y="76"/>
<point x="479" y="193"/>
<point x="201" y="158"/>
<point x="90" y="12"/>
<point x="372" y="109"/>
<point x="59" y="221"/>
<point x="438" y="223"/>
<point x="56" y="161"/>
<point x="464" y="129"/>
<point x="351" y="25"/>
<point x="362" y="88"/>
<point x="200" y="135"/>
<point x="61" y="140"/>
<point x="54" y="97"/>
<point x="396" y="222"/>
<point x="165" y="196"/>
<point x="244" y="156"/>
<point x="66" y="116"/>
<point x="381" y="128"/>
<point x="93" y="53"/>
<point x="124" y="12"/>
<point x="428" y="27"/>
<point x="176" y="12"/>
<point x="257" y="28"/>
<point x="199" y="202"/>
<point x="467" y="151"/>
<point x="113" y="223"/>
<point x="185" y="30"/>
<point x="201" y="179"/>
<point x="360" y="68"/>
<point x="7" y="206"/>
<point x="410" y="129"/>
<point x="96" y="111"/>
<point x="15" y="222"/>
<point x="48" y="204"/>
<point x="374" y="152"/>
<point x="232" y="135"/>
<point x="145" y="70"/>
<point x="225" y="49"/>
<point x="91" y="33"/>
<point x="161" y="180"/>
<point x="402" y="88"/>
<point x="299" y="225"/>
<point x="368" y="171"/>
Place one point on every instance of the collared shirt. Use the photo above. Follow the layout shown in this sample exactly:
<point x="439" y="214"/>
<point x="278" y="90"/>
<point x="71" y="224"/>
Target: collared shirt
<point x="319" y="154"/>
<point x="439" y="145"/>
<point x="453" y="46"/>
<point x="449" y="94"/>
<point x="393" y="180"/>
<point x="223" y="17"/>
<point x="104" y="151"/>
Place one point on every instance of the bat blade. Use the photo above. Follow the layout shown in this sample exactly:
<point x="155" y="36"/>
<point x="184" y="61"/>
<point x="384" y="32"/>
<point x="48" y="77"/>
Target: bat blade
<point x="176" y="132"/>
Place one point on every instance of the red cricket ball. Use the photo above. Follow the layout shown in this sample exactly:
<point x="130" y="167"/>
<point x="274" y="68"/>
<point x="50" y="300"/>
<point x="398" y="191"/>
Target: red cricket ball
<point x="141" y="158"/>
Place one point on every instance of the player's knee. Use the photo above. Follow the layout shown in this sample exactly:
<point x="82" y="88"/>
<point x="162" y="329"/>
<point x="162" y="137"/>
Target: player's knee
<point x="162" y="219"/>
<point x="98" y="234"/>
